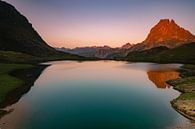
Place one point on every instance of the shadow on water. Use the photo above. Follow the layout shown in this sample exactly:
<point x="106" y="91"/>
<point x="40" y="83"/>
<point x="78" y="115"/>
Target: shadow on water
<point x="29" y="76"/>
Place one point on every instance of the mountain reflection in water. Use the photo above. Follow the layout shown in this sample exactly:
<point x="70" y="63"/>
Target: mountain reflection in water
<point x="98" y="95"/>
<point x="159" y="78"/>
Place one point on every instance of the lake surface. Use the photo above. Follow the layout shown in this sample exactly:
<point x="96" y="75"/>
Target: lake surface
<point x="98" y="95"/>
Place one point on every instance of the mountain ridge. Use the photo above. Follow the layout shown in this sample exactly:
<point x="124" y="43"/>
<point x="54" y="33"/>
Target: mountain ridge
<point x="181" y="54"/>
<point x="21" y="36"/>
<point x="17" y="36"/>
<point x="102" y="52"/>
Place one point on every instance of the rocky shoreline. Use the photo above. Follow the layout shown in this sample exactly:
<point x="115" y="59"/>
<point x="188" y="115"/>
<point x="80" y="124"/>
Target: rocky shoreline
<point x="185" y="103"/>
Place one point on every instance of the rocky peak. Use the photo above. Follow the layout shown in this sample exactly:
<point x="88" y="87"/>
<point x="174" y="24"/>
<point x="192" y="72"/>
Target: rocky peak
<point x="168" y="33"/>
<point x="164" y="21"/>
<point x="127" y="46"/>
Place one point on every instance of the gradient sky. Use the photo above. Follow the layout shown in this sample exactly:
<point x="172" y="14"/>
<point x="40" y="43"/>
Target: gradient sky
<point x="71" y="23"/>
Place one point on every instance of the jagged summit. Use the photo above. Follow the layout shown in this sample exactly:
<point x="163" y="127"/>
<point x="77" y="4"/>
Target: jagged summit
<point x="168" y="33"/>
<point x="166" y="21"/>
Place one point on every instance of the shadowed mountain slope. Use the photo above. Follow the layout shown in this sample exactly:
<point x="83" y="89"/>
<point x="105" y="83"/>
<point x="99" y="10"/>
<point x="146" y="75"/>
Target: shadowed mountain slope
<point x="18" y="35"/>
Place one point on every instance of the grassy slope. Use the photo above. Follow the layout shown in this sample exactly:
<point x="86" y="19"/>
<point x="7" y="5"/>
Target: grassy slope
<point x="18" y="57"/>
<point x="8" y="82"/>
<point x="16" y="80"/>
<point x="11" y="56"/>
<point x="183" y="54"/>
<point x="147" y="55"/>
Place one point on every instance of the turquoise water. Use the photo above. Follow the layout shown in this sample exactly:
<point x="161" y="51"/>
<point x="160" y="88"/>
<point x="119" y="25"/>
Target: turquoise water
<point x="98" y="95"/>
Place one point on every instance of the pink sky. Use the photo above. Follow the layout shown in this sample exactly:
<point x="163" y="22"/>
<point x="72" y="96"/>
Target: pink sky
<point x="99" y="22"/>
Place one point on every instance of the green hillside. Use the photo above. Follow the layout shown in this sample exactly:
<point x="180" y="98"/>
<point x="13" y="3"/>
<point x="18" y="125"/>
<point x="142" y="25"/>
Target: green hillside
<point x="183" y="54"/>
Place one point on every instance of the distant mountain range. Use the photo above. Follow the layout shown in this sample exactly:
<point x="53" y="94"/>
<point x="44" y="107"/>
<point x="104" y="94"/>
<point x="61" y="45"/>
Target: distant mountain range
<point x="102" y="52"/>
<point x="166" y="35"/>
<point x="18" y="38"/>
